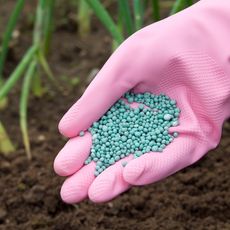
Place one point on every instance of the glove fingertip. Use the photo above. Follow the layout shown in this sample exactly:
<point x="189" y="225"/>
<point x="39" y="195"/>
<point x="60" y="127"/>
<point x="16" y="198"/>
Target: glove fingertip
<point x="71" y="194"/>
<point x="133" y="171"/>
<point x="65" y="128"/>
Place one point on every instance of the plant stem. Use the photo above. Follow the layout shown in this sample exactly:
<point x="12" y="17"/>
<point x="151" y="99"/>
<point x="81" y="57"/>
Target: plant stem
<point x="138" y="14"/>
<point x="37" y="88"/>
<point x="106" y="19"/>
<point x="120" y="28"/>
<point x="84" y="18"/>
<point x="156" y="10"/>
<point x="48" y="25"/>
<point x="189" y="2"/>
<point x="46" y="68"/>
<point x="6" y="145"/>
<point x="24" y="104"/>
<point x="4" y="101"/>
<point x="124" y="12"/>
<point x="37" y="40"/>
<point x="177" y="6"/>
<point x="39" y="23"/>
<point x="18" y="72"/>
<point x="8" y="34"/>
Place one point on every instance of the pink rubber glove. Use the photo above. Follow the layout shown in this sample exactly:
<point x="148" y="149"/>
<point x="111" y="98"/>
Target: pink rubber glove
<point x="187" y="57"/>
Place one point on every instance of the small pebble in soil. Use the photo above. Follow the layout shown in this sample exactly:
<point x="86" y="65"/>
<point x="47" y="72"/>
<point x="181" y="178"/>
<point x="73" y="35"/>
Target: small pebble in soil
<point x="3" y="214"/>
<point x="136" y="129"/>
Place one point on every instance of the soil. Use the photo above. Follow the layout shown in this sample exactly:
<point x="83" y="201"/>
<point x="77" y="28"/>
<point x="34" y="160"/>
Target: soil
<point x="197" y="197"/>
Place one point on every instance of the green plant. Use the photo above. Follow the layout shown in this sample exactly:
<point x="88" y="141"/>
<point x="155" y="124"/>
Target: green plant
<point x="155" y="10"/>
<point x="83" y="18"/>
<point x="180" y="5"/>
<point x="23" y="105"/>
<point x="126" y="16"/>
<point x="106" y="19"/>
<point x="31" y="64"/>
<point x="138" y="14"/>
<point x="6" y="146"/>
<point x="8" y="33"/>
<point x="132" y="15"/>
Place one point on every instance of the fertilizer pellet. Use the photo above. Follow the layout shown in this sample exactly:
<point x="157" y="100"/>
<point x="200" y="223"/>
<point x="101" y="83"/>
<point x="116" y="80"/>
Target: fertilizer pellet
<point x="82" y="133"/>
<point x="124" y="163"/>
<point x="124" y="130"/>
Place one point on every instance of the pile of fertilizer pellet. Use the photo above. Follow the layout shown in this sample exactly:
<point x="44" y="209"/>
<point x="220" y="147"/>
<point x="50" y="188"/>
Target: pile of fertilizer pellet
<point x="124" y="130"/>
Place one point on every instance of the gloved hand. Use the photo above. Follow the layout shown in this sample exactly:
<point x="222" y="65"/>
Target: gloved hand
<point x="187" y="57"/>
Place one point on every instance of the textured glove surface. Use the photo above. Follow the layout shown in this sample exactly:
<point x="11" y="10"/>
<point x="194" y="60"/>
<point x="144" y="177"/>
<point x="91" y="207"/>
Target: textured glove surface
<point x="186" y="57"/>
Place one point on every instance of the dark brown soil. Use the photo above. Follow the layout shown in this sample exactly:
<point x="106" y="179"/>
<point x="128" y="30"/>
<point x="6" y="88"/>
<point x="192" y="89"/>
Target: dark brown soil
<point x="195" y="198"/>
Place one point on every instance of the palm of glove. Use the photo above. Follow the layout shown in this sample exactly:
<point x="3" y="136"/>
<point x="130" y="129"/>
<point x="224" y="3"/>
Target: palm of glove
<point x="145" y="63"/>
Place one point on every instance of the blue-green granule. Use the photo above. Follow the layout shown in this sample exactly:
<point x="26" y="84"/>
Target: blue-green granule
<point x="124" y="130"/>
<point x="82" y="133"/>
